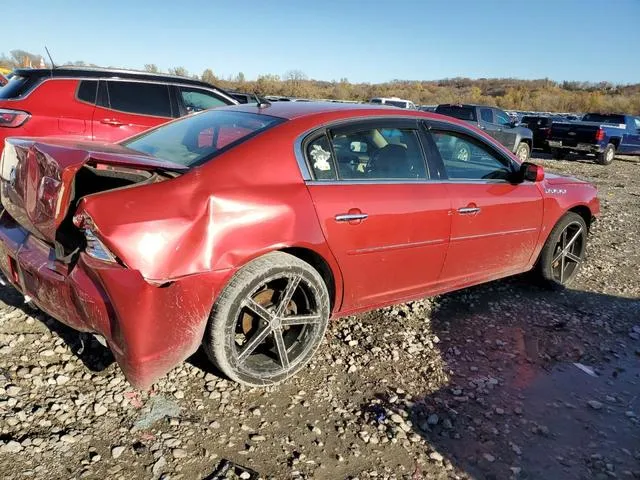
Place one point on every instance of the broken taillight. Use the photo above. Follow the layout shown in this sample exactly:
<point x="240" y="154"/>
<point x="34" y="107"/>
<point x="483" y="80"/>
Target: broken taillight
<point x="12" y="118"/>
<point x="93" y="246"/>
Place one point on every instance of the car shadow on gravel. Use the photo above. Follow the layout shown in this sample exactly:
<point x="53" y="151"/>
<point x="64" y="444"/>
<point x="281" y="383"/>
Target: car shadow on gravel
<point x="516" y="404"/>
<point x="86" y="347"/>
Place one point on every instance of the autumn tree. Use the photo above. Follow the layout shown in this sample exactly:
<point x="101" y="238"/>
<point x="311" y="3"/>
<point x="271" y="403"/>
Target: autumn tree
<point x="151" y="68"/>
<point x="208" y="76"/>
<point x="179" y="71"/>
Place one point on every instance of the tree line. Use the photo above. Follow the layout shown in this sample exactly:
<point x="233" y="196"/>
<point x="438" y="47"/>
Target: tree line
<point x="508" y="93"/>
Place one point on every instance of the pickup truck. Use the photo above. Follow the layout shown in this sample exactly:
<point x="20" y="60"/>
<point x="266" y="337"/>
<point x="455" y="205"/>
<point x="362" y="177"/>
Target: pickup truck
<point x="604" y="135"/>
<point x="496" y="123"/>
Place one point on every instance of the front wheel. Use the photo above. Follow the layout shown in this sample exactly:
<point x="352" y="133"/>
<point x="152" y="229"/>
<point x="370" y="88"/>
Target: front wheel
<point x="268" y="321"/>
<point x="563" y="252"/>
<point x="523" y="151"/>
<point x="607" y="155"/>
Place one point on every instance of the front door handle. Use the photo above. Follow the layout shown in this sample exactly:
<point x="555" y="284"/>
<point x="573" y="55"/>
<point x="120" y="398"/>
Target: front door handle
<point x="468" y="210"/>
<point x="350" y="217"/>
<point x="111" y="121"/>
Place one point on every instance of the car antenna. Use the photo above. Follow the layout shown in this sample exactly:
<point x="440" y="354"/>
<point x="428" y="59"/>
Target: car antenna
<point x="53" y="65"/>
<point x="262" y="102"/>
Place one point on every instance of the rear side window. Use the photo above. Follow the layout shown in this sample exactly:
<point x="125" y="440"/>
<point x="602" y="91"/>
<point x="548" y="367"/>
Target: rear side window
<point x="197" y="138"/>
<point x="18" y="87"/>
<point x="196" y="100"/>
<point x="486" y="115"/>
<point x="87" y="91"/>
<point x="140" y="98"/>
<point x="462" y="113"/>
<point x="321" y="159"/>
<point x="604" y="118"/>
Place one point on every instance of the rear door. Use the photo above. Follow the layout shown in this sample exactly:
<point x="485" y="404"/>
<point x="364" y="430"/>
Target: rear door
<point x="126" y="108"/>
<point x="495" y="223"/>
<point x="384" y="219"/>
<point x="487" y="122"/>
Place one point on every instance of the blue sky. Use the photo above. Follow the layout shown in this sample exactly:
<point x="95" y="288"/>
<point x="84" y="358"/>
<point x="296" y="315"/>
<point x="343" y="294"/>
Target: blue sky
<point x="364" y="41"/>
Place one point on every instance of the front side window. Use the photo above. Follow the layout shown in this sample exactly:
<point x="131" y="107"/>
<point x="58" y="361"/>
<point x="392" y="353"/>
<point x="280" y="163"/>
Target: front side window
<point x="378" y="153"/>
<point x="637" y="122"/>
<point x="140" y="98"/>
<point x="196" y="100"/>
<point x="465" y="158"/>
<point x="197" y="138"/>
<point x="502" y="118"/>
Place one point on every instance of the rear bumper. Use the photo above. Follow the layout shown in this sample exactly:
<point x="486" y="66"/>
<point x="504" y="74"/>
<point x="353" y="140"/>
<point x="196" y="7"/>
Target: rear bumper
<point x="576" y="147"/>
<point x="149" y="328"/>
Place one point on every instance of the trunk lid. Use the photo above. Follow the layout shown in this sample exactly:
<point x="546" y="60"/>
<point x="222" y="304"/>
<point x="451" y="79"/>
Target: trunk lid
<point x="37" y="177"/>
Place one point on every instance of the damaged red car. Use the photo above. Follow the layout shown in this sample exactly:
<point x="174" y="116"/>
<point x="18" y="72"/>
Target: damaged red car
<point x="244" y="229"/>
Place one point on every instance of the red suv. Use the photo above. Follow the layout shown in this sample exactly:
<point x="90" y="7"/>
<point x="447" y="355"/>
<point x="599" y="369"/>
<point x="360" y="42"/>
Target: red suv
<point x="98" y="104"/>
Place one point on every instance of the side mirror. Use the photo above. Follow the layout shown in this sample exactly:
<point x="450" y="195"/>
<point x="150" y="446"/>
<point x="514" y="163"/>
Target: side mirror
<point x="531" y="172"/>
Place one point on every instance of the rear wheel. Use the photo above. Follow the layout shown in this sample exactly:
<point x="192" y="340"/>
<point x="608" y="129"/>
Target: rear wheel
<point x="607" y="155"/>
<point x="558" y="154"/>
<point x="523" y="151"/>
<point x="268" y="321"/>
<point x="563" y="252"/>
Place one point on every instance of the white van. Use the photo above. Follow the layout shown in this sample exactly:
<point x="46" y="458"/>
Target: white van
<point x="394" y="102"/>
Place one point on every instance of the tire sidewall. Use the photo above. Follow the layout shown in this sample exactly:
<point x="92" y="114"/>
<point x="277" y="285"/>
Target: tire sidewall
<point x="222" y="323"/>
<point x="602" y="157"/>
<point x="523" y="146"/>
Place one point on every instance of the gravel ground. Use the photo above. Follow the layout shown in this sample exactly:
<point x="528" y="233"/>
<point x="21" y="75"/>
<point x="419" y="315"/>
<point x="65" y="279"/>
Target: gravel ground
<point x="480" y="383"/>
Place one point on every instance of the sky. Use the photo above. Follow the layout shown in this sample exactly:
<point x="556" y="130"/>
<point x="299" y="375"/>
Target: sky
<point x="361" y="40"/>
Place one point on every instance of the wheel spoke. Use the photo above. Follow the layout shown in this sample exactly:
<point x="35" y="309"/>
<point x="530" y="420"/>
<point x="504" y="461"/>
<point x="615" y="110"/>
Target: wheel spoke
<point x="562" y="258"/>
<point x="292" y="285"/>
<point x="281" y="347"/>
<point x="253" y="343"/>
<point x="573" y="257"/>
<point x="258" y="309"/>
<point x="573" y="239"/>
<point x="563" y="240"/>
<point x="311" y="319"/>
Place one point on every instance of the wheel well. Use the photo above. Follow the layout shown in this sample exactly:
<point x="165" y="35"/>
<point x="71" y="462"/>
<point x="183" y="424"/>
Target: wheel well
<point x="584" y="212"/>
<point x="528" y="141"/>
<point x="320" y="264"/>
<point x="615" y="142"/>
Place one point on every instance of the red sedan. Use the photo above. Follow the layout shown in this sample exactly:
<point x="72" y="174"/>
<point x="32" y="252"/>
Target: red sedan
<point x="246" y="228"/>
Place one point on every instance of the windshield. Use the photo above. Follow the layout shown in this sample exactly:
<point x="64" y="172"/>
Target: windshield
<point x="601" y="118"/>
<point x="199" y="137"/>
<point x="463" y="113"/>
<point x="396" y="103"/>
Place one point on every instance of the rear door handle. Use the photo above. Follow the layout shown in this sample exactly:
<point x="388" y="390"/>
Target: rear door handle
<point x="111" y="121"/>
<point x="350" y="217"/>
<point x="468" y="210"/>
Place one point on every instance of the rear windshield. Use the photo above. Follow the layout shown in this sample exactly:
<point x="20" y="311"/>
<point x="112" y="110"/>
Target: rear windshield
<point x="603" y="118"/>
<point x="463" y="113"/>
<point x="396" y="103"/>
<point x="197" y="138"/>
<point x="17" y="87"/>
<point x="533" y="121"/>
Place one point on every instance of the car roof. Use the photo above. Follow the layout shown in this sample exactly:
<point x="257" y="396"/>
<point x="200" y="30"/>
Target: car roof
<point x="96" y="72"/>
<point x="292" y="110"/>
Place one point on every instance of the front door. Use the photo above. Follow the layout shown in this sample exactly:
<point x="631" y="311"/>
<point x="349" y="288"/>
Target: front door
<point x="385" y="222"/>
<point x="126" y="108"/>
<point x="495" y="223"/>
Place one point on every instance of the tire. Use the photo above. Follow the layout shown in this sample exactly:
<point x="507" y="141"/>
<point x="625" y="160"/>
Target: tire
<point x="549" y="262"/>
<point x="462" y="152"/>
<point x="280" y="349"/>
<point x="558" y="154"/>
<point x="607" y="155"/>
<point x="523" y="151"/>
